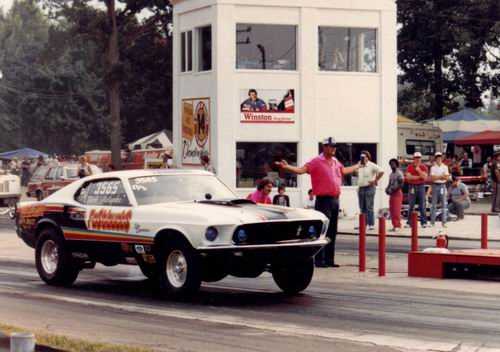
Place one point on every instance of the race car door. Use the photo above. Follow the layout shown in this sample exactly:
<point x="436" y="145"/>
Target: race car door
<point x="107" y="215"/>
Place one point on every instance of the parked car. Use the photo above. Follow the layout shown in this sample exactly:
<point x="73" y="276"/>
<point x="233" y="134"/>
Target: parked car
<point x="10" y="189"/>
<point x="54" y="178"/>
<point x="35" y="182"/>
<point x="181" y="227"/>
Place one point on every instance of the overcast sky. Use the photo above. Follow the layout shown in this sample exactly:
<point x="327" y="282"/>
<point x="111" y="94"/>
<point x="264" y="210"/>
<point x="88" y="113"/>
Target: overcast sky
<point x="5" y="4"/>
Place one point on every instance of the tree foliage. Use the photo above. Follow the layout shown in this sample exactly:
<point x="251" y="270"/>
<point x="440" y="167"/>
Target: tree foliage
<point x="445" y="51"/>
<point x="54" y="91"/>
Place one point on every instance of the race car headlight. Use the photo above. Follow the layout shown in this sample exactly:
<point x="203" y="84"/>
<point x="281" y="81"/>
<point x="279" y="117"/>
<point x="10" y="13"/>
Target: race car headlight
<point x="241" y="236"/>
<point x="311" y="231"/>
<point x="211" y="234"/>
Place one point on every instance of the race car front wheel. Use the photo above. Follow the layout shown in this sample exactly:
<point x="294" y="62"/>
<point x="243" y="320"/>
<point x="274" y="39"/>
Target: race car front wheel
<point x="179" y="272"/>
<point x="293" y="278"/>
<point x="54" y="262"/>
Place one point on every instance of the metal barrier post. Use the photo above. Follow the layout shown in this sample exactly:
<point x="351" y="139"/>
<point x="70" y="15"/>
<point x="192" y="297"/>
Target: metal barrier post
<point x="484" y="231"/>
<point x="362" y="242"/>
<point x="414" y="231"/>
<point x="381" y="246"/>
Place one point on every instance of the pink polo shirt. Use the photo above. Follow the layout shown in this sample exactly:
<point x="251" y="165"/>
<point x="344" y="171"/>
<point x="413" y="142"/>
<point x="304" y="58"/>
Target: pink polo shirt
<point x="259" y="197"/>
<point x="326" y="176"/>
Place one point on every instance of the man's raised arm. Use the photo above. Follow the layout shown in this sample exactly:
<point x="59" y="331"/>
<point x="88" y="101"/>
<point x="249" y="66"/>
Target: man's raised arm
<point x="293" y="169"/>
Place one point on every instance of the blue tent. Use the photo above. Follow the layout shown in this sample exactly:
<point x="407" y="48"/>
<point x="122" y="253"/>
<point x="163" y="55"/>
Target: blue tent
<point x="465" y="123"/>
<point x="22" y="153"/>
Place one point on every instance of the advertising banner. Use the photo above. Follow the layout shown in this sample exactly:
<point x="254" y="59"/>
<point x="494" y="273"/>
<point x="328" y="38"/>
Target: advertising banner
<point x="267" y="106"/>
<point x="195" y="130"/>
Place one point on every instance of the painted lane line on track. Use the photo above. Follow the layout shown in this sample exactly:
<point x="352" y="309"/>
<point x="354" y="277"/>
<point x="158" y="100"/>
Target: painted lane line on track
<point x="281" y="328"/>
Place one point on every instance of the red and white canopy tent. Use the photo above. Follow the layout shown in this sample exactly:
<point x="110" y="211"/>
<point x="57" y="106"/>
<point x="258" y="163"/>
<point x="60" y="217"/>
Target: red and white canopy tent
<point x="485" y="137"/>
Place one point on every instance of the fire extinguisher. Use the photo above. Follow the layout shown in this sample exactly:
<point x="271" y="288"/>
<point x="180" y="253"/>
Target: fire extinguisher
<point x="442" y="241"/>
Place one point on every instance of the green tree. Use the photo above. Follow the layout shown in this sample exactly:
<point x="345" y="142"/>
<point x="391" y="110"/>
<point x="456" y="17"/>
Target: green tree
<point x="116" y="35"/>
<point x="478" y="64"/>
<point x="443" y="49"/>
<point x="50" y="96"/>
<point x="425" y="42"/>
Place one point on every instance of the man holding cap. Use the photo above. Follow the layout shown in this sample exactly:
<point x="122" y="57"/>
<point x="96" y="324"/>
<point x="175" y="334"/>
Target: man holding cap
<point x="326" y="178"/>
<point x="439" y="176"/>
<point x="416" y="175"/>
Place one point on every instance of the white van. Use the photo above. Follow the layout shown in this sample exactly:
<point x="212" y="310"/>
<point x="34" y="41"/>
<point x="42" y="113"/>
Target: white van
<point x="418" y="137"/>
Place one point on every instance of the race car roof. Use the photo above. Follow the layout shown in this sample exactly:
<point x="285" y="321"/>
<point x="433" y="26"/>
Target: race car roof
<point x="150" y="172"/>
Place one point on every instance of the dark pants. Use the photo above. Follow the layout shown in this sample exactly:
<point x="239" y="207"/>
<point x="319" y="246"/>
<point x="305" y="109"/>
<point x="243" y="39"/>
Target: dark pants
<point x="330" y="207"/>
<point x="416" y="193"/>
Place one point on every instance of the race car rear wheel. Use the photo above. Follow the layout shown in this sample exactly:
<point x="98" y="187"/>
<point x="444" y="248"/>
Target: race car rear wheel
<point x="54" y="262"/>
<point x="179" y="269"/>
<point x="293" y="278"/>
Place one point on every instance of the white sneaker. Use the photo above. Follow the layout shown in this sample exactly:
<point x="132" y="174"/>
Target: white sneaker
<point x="371" y="228"/>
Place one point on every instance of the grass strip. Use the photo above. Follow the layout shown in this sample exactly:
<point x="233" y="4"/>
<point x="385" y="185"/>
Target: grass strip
<point x="70" y="344"/>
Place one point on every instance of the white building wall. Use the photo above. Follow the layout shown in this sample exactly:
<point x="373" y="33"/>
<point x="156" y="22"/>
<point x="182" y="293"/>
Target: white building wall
<point x="352" y="107"/>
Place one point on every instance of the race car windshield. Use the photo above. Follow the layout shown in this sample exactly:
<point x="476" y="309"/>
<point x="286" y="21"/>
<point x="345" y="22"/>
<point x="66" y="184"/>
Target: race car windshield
<point x="177" y="188"/>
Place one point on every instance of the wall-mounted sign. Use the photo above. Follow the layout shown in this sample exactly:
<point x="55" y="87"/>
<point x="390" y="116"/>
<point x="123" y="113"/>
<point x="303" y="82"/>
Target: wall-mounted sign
<point x="267" y="106"/>
<point x="195" y="130"/>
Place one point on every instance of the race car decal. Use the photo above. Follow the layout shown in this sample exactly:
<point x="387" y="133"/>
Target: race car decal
<point x="28" y="215"/>
<point x="73" y="234"/>
<point x="106" y="219"/>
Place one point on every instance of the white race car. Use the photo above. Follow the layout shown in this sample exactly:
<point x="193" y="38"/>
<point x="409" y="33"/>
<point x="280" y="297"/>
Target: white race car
<point x="181" y="227"/>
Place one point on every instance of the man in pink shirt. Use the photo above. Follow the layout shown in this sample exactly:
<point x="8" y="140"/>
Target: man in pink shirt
<point x="261" y="195"/>
<point x="326" y="178"/>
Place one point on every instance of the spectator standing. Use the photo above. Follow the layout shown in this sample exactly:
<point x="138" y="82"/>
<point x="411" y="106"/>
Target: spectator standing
<point x="310" y="200"/>
<point x="261" y="194"/>
<point x="455" y="167"/>
<point x="439" y="176"/>
<point x="369" y="174"/>
<point x="84" y="169"/>
<point x="416" y="175"/>
<point x="25" y="172"/>
<point x="495" y="177"/>
<point x="205" y="162"/>
<point x="168" y="161"/>
<point x="326" y="177"/>
<point x="14" y="166"/>
<point x="476" y="156"/>
<point x="459" y="197"/>
<point x="395" y="192"/>
<point x="486" y="173"/>
<point x="281" y="198"/>
<point x="465" y="162"/>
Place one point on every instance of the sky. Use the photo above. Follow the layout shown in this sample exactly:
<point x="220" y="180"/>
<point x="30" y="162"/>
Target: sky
<point x="5" y="4"/>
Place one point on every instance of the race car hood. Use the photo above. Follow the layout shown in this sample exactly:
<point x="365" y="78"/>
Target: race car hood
<point x="240" y="211"/>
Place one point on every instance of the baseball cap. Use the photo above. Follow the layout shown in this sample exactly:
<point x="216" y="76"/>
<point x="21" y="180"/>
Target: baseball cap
<point x="329" y="141"/>
<point x="417" y="155"/>
<point x="438" y="154"/>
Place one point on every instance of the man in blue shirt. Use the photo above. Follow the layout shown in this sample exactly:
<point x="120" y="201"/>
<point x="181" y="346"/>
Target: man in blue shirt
<point x="253" y="103"/>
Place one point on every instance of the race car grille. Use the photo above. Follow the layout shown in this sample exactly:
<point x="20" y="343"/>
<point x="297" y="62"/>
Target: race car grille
<point x="276" y="232"/>
<point x="4" y="186"/>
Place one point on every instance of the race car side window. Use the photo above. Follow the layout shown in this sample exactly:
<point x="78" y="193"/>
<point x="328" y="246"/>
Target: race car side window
<point x="81" y="194"/>
<point x="108" y="192"/>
